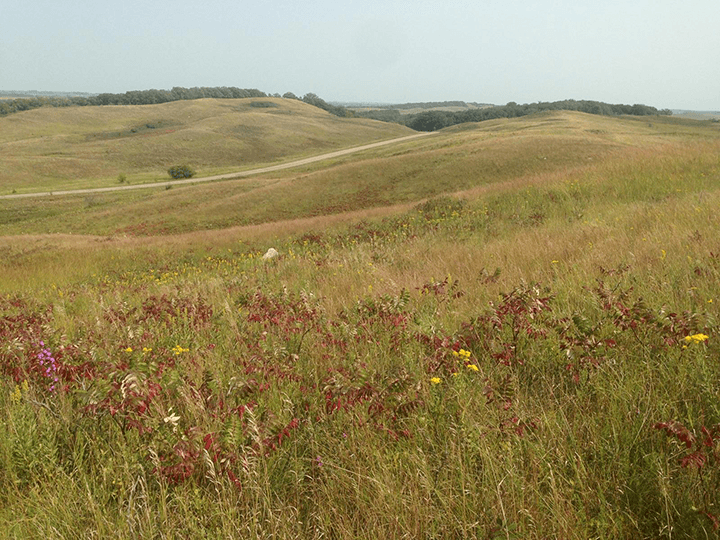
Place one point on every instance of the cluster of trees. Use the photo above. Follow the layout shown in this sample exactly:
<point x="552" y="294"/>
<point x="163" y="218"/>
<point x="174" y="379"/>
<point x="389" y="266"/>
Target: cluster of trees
<point x="135" y="97"/>
<point x="178" y="93"/>
<point x="315" y="100"/>
<point x="434" y="120"/>
<point x="9" y="106"/>
<point x="149" y="97"/>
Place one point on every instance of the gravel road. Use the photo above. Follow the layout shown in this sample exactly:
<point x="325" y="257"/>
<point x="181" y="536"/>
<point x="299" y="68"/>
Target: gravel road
<point x="228" y="176"/>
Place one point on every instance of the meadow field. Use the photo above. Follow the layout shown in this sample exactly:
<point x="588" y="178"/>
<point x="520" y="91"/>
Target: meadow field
<point x="49" y="149"/>
<point x="507" y="329"/>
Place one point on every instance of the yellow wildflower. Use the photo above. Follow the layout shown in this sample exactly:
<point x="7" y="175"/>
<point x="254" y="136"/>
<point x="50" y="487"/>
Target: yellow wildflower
<point x="436" y="380"/>
<point x="696" y="338"/>
<point x="473" y="367"/>
<point x="16" y="395"/>
<point x="129" y="349"/>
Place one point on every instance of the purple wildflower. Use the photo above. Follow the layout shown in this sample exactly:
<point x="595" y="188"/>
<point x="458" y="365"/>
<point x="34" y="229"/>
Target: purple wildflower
<point x="47" y="360"/>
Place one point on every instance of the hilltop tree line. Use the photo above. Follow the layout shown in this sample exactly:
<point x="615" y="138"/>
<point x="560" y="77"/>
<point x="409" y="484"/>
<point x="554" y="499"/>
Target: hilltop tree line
<point x="150" y="97"/>
<point x="135" y="97"/>
<point x="434" y="120"/>
<point x="430" y="120"/>
<point x="313" y="99"/>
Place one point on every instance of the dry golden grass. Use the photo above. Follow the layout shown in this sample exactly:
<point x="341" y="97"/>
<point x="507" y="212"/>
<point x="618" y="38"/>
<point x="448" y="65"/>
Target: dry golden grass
<point x="599" y="161"/>
<point x="64" y="148"/>
<point x="469" y="160"/>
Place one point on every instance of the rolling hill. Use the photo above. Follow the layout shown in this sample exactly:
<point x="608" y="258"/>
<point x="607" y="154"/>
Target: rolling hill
<point x="62" y="148"/>
<point x="508" y="329"/>
<point x="493" y="155"/>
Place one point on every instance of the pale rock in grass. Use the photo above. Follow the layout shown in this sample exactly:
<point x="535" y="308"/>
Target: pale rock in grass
<point x="270" y="254"/>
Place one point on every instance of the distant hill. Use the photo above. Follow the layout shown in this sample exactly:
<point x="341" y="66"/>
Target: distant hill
<point x="15" y="94"/>
<point x="17" y="101"/>
<point x="502" y="154"/>
<point x="72" y="147"/>
<point x="414" y="105"/>
<point x="697" y="115"/>
<point x="433" y="116"/>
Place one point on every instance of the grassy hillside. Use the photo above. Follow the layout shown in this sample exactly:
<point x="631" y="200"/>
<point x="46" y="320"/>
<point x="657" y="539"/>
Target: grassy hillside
<point x="495" y="155"/>
<point x="50" y="149"/>
<point x="529" y="353"/>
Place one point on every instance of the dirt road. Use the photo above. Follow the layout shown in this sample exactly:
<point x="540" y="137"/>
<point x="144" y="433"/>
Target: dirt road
<point x="229" y="176"/>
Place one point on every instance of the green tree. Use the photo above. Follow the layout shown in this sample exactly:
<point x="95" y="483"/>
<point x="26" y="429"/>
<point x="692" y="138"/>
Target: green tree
<point x="181" y="171"/>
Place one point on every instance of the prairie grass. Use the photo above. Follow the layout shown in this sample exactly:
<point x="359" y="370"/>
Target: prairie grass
<point x="530" y="355"/>
<point x="51" y="149"/>
<point x="559" y="148"/>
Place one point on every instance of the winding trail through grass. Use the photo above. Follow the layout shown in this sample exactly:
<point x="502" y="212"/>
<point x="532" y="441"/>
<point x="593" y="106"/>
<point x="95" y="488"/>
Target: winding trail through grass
<point x="228" y="176"/>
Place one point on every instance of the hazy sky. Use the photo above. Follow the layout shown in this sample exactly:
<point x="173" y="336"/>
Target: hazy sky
<point x="664" y="53"/>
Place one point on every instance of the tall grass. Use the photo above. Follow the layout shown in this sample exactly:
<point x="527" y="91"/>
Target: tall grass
<point x="527" y="361"/>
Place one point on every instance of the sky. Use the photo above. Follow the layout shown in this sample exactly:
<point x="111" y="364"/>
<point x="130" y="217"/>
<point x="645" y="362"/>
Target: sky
<point x="663" y="53"/>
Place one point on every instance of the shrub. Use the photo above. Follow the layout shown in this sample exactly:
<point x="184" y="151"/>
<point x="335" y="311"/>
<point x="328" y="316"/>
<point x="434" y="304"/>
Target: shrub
<point x="181" y="171"/>
<point x="263" y="104"/>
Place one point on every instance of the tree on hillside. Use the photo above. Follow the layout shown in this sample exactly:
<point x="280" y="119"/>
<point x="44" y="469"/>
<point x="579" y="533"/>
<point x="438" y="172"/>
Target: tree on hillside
<point x="314" y="99"/>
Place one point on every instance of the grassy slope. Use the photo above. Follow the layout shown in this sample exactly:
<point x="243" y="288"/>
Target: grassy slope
<point x="52" y="149"/>
<point x="558" y="443"/>
<point x="471" y="157"/>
